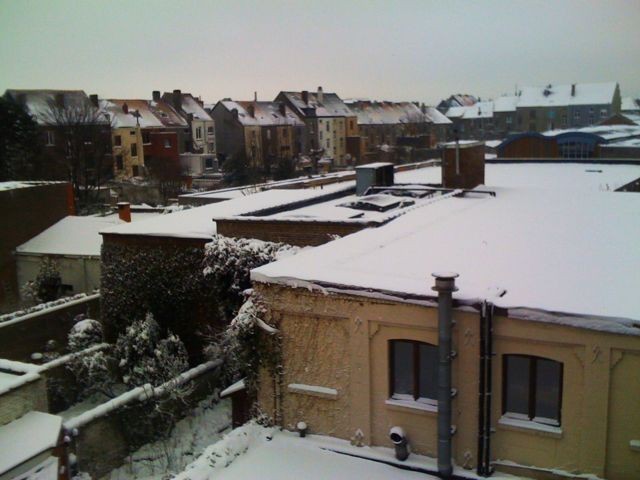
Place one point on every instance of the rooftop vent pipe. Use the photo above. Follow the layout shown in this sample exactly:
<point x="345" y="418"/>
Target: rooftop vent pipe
<point x="445" y="286"/>
<point x="124" y="211"/>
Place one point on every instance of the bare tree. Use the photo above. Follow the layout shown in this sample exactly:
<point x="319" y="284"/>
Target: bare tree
<point x="85" y="149"/>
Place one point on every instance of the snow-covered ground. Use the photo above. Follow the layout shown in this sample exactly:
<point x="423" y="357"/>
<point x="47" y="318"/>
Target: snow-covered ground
<point x="190" y="437"/>
<point x="255" y="452"/>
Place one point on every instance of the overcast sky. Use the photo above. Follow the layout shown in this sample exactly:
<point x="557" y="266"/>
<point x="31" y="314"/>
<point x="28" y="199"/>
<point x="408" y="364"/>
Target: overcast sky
<point x="393" y="50"/>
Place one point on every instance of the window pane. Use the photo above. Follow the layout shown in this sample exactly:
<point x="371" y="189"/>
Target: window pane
<point x="548" y="389"/>
<point x="428" y="372"/>
<point x="517" y="384"/>
<point x="403" y="367"/>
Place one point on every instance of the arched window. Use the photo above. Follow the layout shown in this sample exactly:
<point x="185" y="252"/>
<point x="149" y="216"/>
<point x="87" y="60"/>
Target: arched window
<point x="413" y="371"/>
<point x="532" y="389"/>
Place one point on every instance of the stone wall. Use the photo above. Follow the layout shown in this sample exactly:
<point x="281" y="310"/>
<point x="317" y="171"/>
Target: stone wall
<point x="21" y="400"/>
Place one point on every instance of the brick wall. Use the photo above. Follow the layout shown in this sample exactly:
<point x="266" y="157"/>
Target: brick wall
<point x="294" y="233"/>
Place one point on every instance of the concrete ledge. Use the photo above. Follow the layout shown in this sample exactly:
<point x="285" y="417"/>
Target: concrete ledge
<point x="313" y="391"/>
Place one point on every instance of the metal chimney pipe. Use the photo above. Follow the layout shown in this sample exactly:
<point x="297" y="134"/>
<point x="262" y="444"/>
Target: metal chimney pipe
<point x="445" y="286"/>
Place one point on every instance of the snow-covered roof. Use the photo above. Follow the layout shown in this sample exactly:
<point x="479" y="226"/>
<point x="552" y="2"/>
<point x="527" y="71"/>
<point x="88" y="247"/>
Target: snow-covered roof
<point x="331" y="105"/>
<point x="386" y="113"/>
<point x="197" y="223"/>
<point x="436" y="117"/>
<point x="15" y="184"/>
<point x="191" y="106"/>
<point x="26" y="437"/>
<point x="40" y="104"/>
<point x="137" y="111"/>
<point x="505" y="103"/>
<point x="606" y="132"/>
<point x="478" y="110"/>
<point x="265" y="113"/>
<point x="516" y="249"/>
<point x="561" y="95"/>
<point x="75" y="235"/>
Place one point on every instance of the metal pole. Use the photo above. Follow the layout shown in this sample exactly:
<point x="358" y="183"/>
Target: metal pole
<point x="445" y="286"/>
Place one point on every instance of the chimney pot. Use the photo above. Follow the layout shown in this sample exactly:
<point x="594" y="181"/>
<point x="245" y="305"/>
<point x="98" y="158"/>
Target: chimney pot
<point x="320" y="95"/>
<point x="156" y="95"/>
<point x="124" y="211"/>
<point x="125" y="107"/>
<point x="305" y="96"/>
<point x="255" y="96"/>
<point x="573" y="89"/>
<point x="177" y="99"/>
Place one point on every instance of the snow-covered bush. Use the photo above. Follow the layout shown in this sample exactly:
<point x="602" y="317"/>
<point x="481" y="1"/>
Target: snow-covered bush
<point x="227" y="264"/>
<point x="144" y="357"/>
<point x="84" y="334"/>
<point x="48" y="283"/>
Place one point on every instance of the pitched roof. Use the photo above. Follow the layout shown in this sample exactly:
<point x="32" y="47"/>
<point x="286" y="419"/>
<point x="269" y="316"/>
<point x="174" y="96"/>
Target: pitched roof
<point x="561" y="95"/>
<point x="189" y="105"/>
<point x="478" y="110"/>
<point x="40" y="103"/>
<point x="146" y="118"/>
<point x="386" y="113"/>
<point x="331" y="105"/>
<point x="265" y="113"/>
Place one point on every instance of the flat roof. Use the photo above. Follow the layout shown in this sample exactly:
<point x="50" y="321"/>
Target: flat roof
<point x="26" y="437"/>
<point x="555" y="250"/>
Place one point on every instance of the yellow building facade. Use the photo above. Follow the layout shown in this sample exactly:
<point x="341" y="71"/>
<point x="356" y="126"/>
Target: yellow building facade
<point x="128" y="155"/>
<point x="343" y="344"/>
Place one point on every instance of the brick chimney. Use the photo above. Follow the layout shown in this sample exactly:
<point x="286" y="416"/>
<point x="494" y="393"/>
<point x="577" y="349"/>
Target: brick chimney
<point x="124" y="211"/>
<point x="125" y="107"/>
<point x="320" y="95"/>
<point x="94" y="100"/>
<point x="156" y="95"/>
<point x="177" y="100"/>
<point x="305" y="96"/>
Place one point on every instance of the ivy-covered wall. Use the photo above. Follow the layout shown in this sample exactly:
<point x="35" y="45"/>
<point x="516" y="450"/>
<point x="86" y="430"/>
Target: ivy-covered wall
<point x="165" y="280"/>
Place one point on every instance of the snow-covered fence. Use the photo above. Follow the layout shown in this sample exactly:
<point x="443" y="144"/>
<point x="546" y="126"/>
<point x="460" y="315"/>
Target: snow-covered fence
<point x="99" y="436"/>
<point x="23" y="334"/>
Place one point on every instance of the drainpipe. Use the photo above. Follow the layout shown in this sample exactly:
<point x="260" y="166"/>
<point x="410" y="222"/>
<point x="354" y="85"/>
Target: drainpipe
<point x="445" y="286"/>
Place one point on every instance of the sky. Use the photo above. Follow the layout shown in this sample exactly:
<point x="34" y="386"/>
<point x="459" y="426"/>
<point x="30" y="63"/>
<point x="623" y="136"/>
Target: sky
<point x="416" y="50"/>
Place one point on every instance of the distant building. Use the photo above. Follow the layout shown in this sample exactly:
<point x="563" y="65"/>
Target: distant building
<point x="457" y="100"/>
<point x="202" y="128"/>
<point x="261" y="131"/>
<point x="327" y="120"/>
<point x="53" y="110"/>
<point x="566" y="106"/>
<point x="630" y="105"/>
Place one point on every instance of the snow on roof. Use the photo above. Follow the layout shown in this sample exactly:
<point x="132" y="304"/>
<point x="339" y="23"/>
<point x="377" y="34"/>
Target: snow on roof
<point x="40" y="104"/>
<point x="506" y="103"/>
<point x="478" y="110"/>
<point x="191" y="106"/>
<point x="386" y="113"/>
<point x="436" y="117"/>
<point x="13" y="185"/>
<point x="26" y="437"/>
<point x="75" y="235"/>
<point x="560" y="95"/>
<point x="518" y="242"/>
<point x="557" y="176"/>
<point x="331" y="105"/>
<point x="251" y="452"/>
<point x="606" y="132"/>
<point x="197" y="223"/>
<point x="265" y="113"/>
<point x="143" y="113"/>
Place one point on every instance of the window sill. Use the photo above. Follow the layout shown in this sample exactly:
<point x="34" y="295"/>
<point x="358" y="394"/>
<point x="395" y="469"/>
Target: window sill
<point x="507" y="423"/>
<point x="410" y="406"/>
<point x="634" y="445"/>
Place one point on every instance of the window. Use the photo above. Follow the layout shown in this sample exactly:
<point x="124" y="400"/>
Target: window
<point x="51" y="138"/>
<point x="509" y="120"/>
<point x="413" y="371"/>
<point x="210" y="130"/>
<point x="576" y="115"/>
<point x="208" y="162"/>
<point x="117" y="140"/>
<point x="134" y="149"/>
<point x="119" y="162"/>
<point x="167" y="143"/>
<point x="198" y="133"/>
<point x="136" y="170"/>
<point x="132" y="133"/>
<point x="532" y="389"/>
<point x="604" y="113"/>
<point x="146" y="137"/>
<point x="328" y="127"/>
